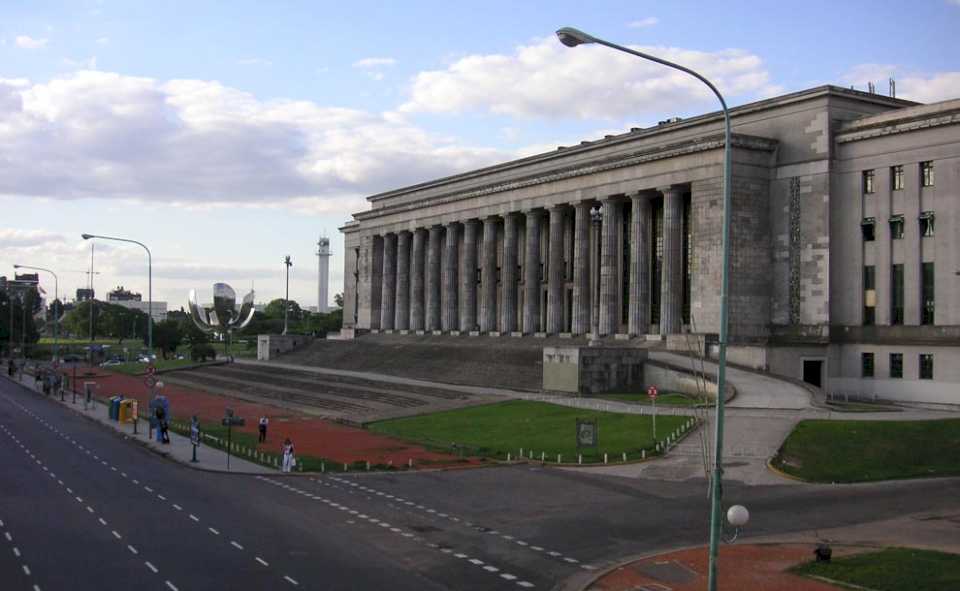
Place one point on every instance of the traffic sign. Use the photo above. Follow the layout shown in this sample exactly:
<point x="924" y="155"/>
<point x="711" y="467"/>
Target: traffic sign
<point x="233" y="421"/>
<point x="150" y="381"/>
<point x="151" y="369"/>
<point x="652" y="392"/>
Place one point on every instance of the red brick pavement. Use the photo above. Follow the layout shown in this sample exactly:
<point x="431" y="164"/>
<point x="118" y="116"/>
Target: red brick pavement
<point x="741" y="567"/>
<point x="311" y="436"/>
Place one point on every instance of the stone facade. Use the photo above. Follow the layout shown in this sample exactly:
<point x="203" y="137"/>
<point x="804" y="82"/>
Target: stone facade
<point x="622" y="236"/>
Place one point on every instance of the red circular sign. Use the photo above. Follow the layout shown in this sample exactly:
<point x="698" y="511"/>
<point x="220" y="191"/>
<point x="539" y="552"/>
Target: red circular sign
<point x="151" y="370"/>
<point x="150" y="381"/>
<point x="652" y="391"/>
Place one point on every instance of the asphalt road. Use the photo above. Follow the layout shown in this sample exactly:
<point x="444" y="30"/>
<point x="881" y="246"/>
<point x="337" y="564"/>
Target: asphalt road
<point x="83" y="509"/>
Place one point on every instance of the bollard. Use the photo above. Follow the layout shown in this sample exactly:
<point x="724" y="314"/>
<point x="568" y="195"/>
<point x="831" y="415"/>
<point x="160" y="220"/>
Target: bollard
<point x="543" y="457"/>
<point x="643" y="454"/>
<point x="323" y="467"/>
<point x="410" y="463"/>
<point x="624" y="456"/>
<point x="344" y="466"/>
<point x="558" y="458"/>
<point x="368" y="465"/>
<point x="604" y="458"/>
<point x="508" y="456"/>
<point x="580" y="459"/>
<point x="521" y="452"/>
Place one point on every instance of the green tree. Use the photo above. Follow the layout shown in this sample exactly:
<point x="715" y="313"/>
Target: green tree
<point x="275" y="310"/>
<point x="338" y="300"/>
<point x="168" y="335"/>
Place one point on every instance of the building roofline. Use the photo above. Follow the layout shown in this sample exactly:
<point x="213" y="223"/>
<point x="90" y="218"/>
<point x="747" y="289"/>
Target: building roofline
<point x="635" y="133"/>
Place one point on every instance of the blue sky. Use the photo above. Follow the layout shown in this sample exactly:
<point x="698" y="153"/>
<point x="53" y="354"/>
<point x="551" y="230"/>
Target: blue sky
<point x="227" y="135"/>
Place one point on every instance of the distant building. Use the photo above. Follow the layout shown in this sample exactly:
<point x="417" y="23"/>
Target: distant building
<point x="85" y="295"/>
<point x="122" y="295"/>
<point x="159" y="309"/>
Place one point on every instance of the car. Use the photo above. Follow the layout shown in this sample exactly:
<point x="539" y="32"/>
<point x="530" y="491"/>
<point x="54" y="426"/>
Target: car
<point x="111" y="362"/>
<point x="72" y="358"/>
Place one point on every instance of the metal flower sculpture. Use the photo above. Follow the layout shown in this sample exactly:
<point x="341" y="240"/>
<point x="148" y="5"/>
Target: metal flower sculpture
<point x="225" y="316"/>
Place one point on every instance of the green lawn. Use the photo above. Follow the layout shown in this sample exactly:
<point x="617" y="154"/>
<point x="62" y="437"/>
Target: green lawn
<point x="860" y="451"/>
<point x="892" y="569"/>
<point x="497" y="429"/>
<point x="667" y="399"/>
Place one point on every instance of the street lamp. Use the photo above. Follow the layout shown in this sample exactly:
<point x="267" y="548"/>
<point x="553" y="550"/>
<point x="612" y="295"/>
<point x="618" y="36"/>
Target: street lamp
<point x="573" y="37"/>
<point x="149" y="282"/>
<point x="596" y="215"/>
<point x="56" y="316"/>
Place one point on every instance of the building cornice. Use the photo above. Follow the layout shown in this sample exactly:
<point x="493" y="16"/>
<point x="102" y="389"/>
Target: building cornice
<point x="703" y="144"/>
<point x="906" y="125"/>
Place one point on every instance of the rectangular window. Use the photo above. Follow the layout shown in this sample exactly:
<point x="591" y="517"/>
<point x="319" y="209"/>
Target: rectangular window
<point x="896" y="288"/>
<point x="869" y="296"/>
<point x="926" y="366"/>
<point x="866" y="365"/>
<point x="896" y="227"/>
<point x="896" y="365"/>
<point x="896" y="177"/>
<point x="926" y="294"/>
<point x="868" y="181"/>
<point x="926" y="173"/>
<point x="868" y="227"/>
<point x="926" y="223"/>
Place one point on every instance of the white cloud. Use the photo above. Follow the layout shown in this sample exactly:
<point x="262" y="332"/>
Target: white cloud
<point x="194" y="143"/>
<point x="19" y="238"/>
<point x="920" y="87"/>
<point x="103" y="41"/>
<point x="374" y="62"/>
<point x="88" y="64"/>
<point x="254" y="61"/>
<point x="28" y="42"/>
<point x="644" y="22"/>
<point x="546" y="79"/>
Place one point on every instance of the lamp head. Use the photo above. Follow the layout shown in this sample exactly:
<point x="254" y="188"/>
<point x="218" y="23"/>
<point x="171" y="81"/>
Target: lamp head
<point x="16" y="266"/>
<point x="572" y="37"/>
<point x="738" y="516"/>
<point x="86" y="236"/>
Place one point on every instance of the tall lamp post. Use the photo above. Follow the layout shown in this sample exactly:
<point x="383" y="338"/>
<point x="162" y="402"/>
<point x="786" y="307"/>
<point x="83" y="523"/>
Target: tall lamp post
<point x="573" y="37"/>
<point x="56" y="315"/>
<point x="286" y="301"/>
<point x="149" y="282"/>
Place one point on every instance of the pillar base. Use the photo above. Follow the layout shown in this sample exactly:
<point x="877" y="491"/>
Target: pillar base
<point x="454" y="333"/>
<point x="374" y="331"/>
<point x="566" y="335"/>
<point x="436" y="332"/>
<point x="516" y="335"/>
<point x="388" y="331"/>
<point x="621" y="337"/>
<point x="539" y="335"/>
<point x="404" y="331"/>
<point x="420" y="333"/>
<point x="653" y="337"/>
<point x="474" y="333"/>
<point x="493" y="333"/>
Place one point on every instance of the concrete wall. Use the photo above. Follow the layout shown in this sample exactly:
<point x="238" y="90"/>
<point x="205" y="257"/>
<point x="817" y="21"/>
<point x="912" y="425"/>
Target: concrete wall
<point x="270" y="346"/>
<point x="592" y="370"/>
<point x="944" y="388"/>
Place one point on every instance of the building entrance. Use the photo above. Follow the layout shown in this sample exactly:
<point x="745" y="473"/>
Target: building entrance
<point x="813" y="372"/>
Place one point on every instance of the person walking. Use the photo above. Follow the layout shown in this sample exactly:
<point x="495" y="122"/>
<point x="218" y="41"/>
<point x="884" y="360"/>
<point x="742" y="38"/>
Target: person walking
<point x="289" y="461"/>
<point x="262" y="426"/>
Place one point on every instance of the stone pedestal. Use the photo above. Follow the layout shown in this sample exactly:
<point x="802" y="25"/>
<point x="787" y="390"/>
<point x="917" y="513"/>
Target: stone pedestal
<point x="531" y="274"/>
<point x="468" y="276"/>
<point x="417" y="280"/>
<point x="449" y="320"/>
<point x="432" y="295"/>
<point x="402" y="319"/>
<point x="555" y="285"/>
<point x="671" y="283"/>
<point x="488" y="276"/>
<point x="640" y="228"/>
<point x="508" y="272"/>
<point x="608" y="267"/>
<point x="389" y="291"/>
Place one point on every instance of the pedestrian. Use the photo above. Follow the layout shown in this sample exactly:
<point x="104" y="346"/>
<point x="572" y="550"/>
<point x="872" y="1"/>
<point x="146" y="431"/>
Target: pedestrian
<point x="262" y="426"/>
<point x="162" y="425"/>
<point x="289" y="461"/>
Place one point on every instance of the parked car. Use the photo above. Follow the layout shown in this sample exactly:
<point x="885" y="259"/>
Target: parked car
<point x="111" y="362"/>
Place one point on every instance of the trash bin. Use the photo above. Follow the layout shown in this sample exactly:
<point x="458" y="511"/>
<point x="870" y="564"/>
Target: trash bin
<point x="127" y="411"/>
<point x="115" y="407"/>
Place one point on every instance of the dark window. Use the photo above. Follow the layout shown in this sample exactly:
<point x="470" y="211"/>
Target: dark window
<point x="896" y="287"/>
<point x="926" y="294"/>
<point x="866" y="363"/>
<point x="896" y="177"/>
<point x="869" y="296"/>
<point x="926" y="173"/>
<point x="896" y="227"/>
<point x="896" y="365"/>
<point x="869" y="228"/>
<point x="926" y="223"/>
<point x="926" y="366"/>
<point x="868" y="181"/>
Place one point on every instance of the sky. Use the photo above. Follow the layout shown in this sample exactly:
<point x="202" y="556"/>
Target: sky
<point x="226" y="135"/>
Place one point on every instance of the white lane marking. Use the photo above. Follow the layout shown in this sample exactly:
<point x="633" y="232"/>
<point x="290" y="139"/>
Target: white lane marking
<point x="132" y="549"/>
<point x="151" y="567"/>
<point x="89" y="508"/>
<point x="102" y="520"/>
<point x="261" y="561"/>
<point x="161" y="497"/>
<point x="16" y="552"/>
<point x="476" y="561"/>
<point x="213" y="531"/>
<point x="491" y="569"/>
<point x="172" y="586"/>
<point x="236" y="545"/>
<point x="571" y="560"/>
<point x="460" y="555"/>
<point x="525" y="584"/>
<point x="194" y="517"/>
<point x="26" y="569"/>
<point x="79" y="500"/>
<point x="7" y="535"/>
<point x="291" y="581"/>
<point x="177" y="507"/>
<point x="115" y="534"/>
<point x="148" y="489"/>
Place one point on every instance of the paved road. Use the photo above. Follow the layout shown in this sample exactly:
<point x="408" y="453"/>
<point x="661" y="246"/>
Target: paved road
<point x="86" y="510"/>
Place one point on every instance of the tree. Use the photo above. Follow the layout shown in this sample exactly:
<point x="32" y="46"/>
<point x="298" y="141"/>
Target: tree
<point x="338" y="300"/>
<point x="275" y="310"/>
<point x="167" y="335"/>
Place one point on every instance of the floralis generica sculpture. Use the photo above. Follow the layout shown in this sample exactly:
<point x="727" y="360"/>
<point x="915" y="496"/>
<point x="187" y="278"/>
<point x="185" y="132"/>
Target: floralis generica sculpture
<point x="225" y="316"/>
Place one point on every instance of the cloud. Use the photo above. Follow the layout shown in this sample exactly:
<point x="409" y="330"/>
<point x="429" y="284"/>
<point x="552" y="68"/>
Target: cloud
<point x="254" y="61"/>
<point x="103" y="41"/>
<point x="546" y="79"/>
<point x="374" y="62"/>
<point x="644" y="22"/>
<point x="27" y="42"/>
<point x="19" y="238"/>
<point x="920" y="87"/>
<point x="200" y="143"/>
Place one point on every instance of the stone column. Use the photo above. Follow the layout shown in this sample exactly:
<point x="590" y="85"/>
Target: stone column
<point x="555" y="272"/>
<point x="640" y="227"/>
<point x="671" y="283"/>
<point x="389" y="293"/>
<point x="581" y="268"/>
<point x="468" y="276"/>
<point x="417" y="277"/>
<point x="432" y="295"/>
<point x="508" y="274"/>
<point x="609" y="245"/>
<point x="448" y="319"/>
<point x="488" y="276"/>
<point x="531" y="274"/>
<point x="402" y="319"/>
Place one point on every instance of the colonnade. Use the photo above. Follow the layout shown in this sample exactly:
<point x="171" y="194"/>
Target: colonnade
<point x="471" y="276"/>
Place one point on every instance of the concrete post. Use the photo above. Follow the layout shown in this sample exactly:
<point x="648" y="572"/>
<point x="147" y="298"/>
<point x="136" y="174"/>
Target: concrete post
<point x="608" y="267"/>
<point x="640" y="227"/>
<point x="531" y="274"/>
<point x="432" y="296"/>
<point x="508" y="272"/>
<point x="671" y="282"/>
<point x="417" y="280"/>
<point x="581" y="268"/>
<point x="555" y="272"/>
<point x="488" y="276"/>
<point x="388" y="295"/>
<point x="468" y="276"/>
<point x="448" y="278"/>
<point x="402" y="319"/>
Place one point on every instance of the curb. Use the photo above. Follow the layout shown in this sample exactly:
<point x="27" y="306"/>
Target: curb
<point x="783" y="474"/>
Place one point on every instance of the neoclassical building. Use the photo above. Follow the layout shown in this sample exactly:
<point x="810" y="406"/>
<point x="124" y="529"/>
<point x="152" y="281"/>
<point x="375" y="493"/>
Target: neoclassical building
<point x="845" y="238"/>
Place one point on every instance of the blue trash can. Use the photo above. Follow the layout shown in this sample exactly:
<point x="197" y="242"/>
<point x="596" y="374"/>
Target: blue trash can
<point x="115" y="407"/>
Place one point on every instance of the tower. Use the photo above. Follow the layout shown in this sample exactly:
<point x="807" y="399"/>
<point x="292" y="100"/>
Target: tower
<point x="323" y="274"/>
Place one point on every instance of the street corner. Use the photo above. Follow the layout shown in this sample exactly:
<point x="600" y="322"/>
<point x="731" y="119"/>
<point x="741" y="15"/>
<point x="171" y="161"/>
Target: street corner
<point x="744" y="566"/>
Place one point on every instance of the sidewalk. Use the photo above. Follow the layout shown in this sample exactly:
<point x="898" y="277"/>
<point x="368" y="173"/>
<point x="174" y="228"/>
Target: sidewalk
<point x="179" y="449"/>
